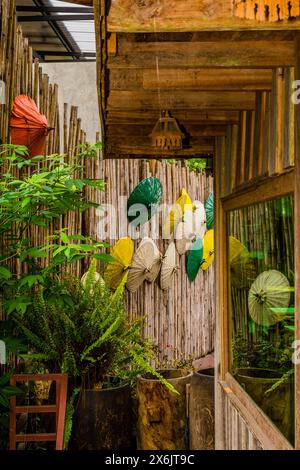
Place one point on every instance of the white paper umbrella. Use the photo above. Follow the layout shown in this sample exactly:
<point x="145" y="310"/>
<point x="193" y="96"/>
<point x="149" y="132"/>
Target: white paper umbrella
<point x="154" y="263"/>
<point x="184" y="236"/>
<point x="199" y="219"/>
<point x="269" y="292"/>
<point x="145" y="265"/>
<point x="168" y="267"/>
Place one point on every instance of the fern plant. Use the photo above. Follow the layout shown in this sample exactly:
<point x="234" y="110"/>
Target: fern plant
<point x="83" y="330"/>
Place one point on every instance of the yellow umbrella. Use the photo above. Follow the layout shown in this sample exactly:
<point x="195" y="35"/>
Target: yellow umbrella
<point x="242" y="268"/>
<point x="208" y="249"/>
<point x="123" y="253"/>
<point x="182" y="205"/>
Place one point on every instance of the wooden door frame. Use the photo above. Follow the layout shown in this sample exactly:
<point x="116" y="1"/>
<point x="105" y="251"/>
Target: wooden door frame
<point x="260" y="191"/>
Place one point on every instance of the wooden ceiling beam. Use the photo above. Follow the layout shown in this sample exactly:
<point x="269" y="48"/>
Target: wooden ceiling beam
<point x="196" y="15"/>
<point x="185" y="100"/>
<point x="122" y="131"/>
<point x="191" y="79"/>
<point x="228" y="54"/>
<point x="126" y="151"/>
<point x="191" y="117"/>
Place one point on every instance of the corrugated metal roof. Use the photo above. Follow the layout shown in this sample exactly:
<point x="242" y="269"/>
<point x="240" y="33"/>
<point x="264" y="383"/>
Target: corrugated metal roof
<point x="82" y="32"/>
<point x="70" y="40"/>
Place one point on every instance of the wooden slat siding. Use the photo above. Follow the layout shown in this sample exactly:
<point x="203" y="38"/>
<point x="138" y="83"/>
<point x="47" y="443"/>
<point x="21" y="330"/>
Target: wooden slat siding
<point x="257" y="134"/>
<point x="248" y="161"/>
<point x="273" y="125"/>
<point x="196" y="15"/>
<point x="203" y="54"/>
<point x="234" y="155"/>
<point x="289" y="120"/>
<point x="238" y="435"/>
<point x="297" y="244"/>
<point x="229" y="163"/>
<point x="191" y="79"/>
<point x="281" y="80"/>
<point x="147" y="100"/>
<point x="267" y="136"/>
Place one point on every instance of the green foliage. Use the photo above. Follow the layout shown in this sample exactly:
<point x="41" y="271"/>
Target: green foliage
<point x="262" y="353"/>
<point x="84" y="331"/>
<point x="7" y="390"/>
<point x="70" y="410"/>
<point x="194" y="164"/>
<point x="51" y="189"/>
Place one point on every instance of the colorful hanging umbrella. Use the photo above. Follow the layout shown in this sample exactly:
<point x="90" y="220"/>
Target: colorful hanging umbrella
<point x="182" y="205"/>
<point x="184" y="236"/>
<point x="269" y="294"/>
<point x="168" y="267"/>
<point x="194" y="260"/>
<point x="123" y="253"/>
<point x="144" y="200"/>
<point x="242" y="268"/>
<point x="209" y="209"/>
<point x="208" y="249"/>
<point x="156" y="257"/>
<point x="28" y="126"/>
<point x="145" y="265"/>
<point x="199" y="217"/>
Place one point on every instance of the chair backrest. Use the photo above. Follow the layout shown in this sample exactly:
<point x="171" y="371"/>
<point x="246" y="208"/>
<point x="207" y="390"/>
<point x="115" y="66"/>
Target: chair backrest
<point x="61" y="382"/>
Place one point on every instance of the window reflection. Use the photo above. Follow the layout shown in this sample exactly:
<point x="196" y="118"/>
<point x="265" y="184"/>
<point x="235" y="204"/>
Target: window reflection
<point x="261" y="271"/>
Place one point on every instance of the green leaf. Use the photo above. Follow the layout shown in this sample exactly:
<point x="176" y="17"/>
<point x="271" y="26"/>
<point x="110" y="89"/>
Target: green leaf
<point x="64" y="237"/>
<point x="104" y="257"/>
<point x="5" y="273"/>
<point x="31" y="280"/>
<point x="36" y="253"/>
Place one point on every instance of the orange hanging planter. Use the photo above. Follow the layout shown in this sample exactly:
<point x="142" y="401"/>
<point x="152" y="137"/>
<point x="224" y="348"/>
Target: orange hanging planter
<point x="28" y="126"/>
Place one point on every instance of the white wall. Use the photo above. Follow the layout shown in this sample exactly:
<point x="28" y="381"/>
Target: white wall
<point x="77" y="87"/>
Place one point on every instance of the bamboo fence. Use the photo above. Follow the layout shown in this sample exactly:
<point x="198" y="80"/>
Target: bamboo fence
<point x="181" y="321"/>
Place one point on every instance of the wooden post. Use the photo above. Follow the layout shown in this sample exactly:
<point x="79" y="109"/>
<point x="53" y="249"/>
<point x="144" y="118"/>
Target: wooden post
<point x="297" y="242"/>
<point x="221" y="360"/>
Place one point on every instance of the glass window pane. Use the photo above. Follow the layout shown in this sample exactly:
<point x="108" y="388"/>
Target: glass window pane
<point x="261" y="272"/>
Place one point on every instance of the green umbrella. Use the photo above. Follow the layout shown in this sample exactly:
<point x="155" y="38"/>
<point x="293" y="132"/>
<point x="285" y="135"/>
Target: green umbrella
<point x="195" y="259"/>
<point x="144" y="200"/>
<point x="209" y="209"/>
<point x="269" y="298"/>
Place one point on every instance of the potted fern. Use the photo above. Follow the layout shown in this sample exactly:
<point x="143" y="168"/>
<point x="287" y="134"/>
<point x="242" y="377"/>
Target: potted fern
<point x="83" y="330"/>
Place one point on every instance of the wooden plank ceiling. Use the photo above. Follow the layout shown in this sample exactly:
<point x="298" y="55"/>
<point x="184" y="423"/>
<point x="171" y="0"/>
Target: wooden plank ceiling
<point x="159" y="59"/>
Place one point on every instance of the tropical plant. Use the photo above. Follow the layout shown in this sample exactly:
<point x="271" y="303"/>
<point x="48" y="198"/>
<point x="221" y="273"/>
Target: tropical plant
<point x="36" y="192"/>
<point x="83" y="330"/>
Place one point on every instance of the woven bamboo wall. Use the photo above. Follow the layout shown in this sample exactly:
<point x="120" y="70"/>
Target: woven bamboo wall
<point x="181" y="321"/>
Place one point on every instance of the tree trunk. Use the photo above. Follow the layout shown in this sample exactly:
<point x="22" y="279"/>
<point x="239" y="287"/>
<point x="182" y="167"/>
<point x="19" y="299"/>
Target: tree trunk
<point x="162" y="416"/>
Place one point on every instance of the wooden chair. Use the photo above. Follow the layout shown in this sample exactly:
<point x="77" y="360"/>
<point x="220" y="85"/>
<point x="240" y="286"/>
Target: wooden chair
<point x="59" y="409"/>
